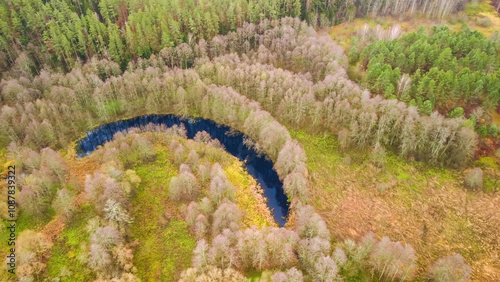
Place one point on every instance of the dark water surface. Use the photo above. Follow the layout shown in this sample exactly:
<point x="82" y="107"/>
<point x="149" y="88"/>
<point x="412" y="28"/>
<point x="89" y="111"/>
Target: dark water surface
<point x="260" y="167"/>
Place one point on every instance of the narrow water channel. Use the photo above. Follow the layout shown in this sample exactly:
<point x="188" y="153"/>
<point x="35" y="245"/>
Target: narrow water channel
<point x="260" y="167"/>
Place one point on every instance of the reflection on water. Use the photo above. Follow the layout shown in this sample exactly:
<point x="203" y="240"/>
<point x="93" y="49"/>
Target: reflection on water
<point x="260" y="167"/>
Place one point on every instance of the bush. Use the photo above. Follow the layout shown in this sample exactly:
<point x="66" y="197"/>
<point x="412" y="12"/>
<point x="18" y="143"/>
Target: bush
<point x="483" y="21"/>
<point x="227" y="215"/>
<point x="309" y="224"/>
<point x="493" y="130"/>
<point x="115" y="212"/>
<point x="178" y="154"/>
<point x="192" y="211"/>
<point x="393" y="260"/>
<point x="184" y="187"/>
<point x="95" y="185"/>
<point x="106" y="236"/>
<point x="290" y="156"/>
<point x="222" y="252"/>
<point x="203" y="173"/>
<point x="450" y="268"/>
<point x="378" y="156"/>
<point x="220" y="189"/>
<point x="99" y="258"/>
<point x="326" y="269"/>
<point x="339" y="256"/>
<point x="295" y="185"/>
<point x="474" y="179"/>
<point x="456" y="113"/>
<point x="291" y="275"/>
<point x="192" y="160"/>
<point x="63" y="203"/>
<point x="310" y="250"/>
<point x="201" y="226"/>
<point x="206" y="206"/>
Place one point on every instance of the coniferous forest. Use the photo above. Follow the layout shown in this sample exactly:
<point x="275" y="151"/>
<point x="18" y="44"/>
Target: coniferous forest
<point x="250" y="140"/>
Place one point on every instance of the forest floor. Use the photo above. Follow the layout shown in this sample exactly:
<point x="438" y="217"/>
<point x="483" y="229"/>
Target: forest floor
<point x="411" y="202"/>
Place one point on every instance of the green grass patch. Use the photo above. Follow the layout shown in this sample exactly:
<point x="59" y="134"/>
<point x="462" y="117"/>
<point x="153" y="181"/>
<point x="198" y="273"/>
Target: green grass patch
<point x="67" y="248"/>
<point x="487" y="162"/>
<point x="491" y="185"/>
<point x="165" y="244"/>
<point x="403" y="176"/>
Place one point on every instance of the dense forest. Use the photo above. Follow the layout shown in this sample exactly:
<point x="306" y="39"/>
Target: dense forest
<point x="454" y="73"/>
<point x="59" y="33"/>
<point x="153" y="204"/>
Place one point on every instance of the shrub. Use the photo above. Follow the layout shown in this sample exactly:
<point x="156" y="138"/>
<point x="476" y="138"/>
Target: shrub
<point x="310" y="250"/>
<point x="178" y="154"/>
<point x="357" y="254"/>
<point x="112" y="191"/>
<point x="63" y="203"/>
<point x="493" y="130"/>
<point x="339" y="257"/>
<point x="184" y="187"/>
<point x="483" y="21"/>
<point x="295" y="185"/>
<point x="309" y="224"/>
<point x="378" y="156"/>
<point x="456" y="113"/>
<point x="192" y="211"/>
<point x="392" y="260"/>
<point x="220" y="189"/>
<point x="95" y="185"/>
<point x="115" y="212"/>
<point x="325" y="269"/>
<point x="99" y="258"/>
<point x="203" y="173"/>
<point x="222" y="253"/>
<point x="227" y="215"/>
<point x="201" y="226"/>
<point x="290" y="156"/>
<point x="132" y="177"/>
<point x="474" y="179"/>
<point x="106" y="236"/>
<point x="192" y="160"/>
<point x="206" y="206"/>
<point x="291" y="275"/>
<point x="450" y="268"/>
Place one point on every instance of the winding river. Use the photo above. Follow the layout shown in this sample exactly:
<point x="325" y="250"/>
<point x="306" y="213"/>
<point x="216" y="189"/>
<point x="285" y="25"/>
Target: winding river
<point x="260" y="167"/>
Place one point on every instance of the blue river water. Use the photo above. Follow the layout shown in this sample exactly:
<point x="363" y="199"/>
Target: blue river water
<point x="259" y="166"/>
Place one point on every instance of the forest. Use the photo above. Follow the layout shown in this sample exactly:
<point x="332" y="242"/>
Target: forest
<point x="382" y="147"/>
<point x="59" y="33"/>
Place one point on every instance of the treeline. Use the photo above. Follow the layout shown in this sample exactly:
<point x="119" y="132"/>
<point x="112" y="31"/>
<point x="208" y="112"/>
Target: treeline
<point x="320" y="97"/>
<point x="452" y="72"/>
<point x="60" y="33"/>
